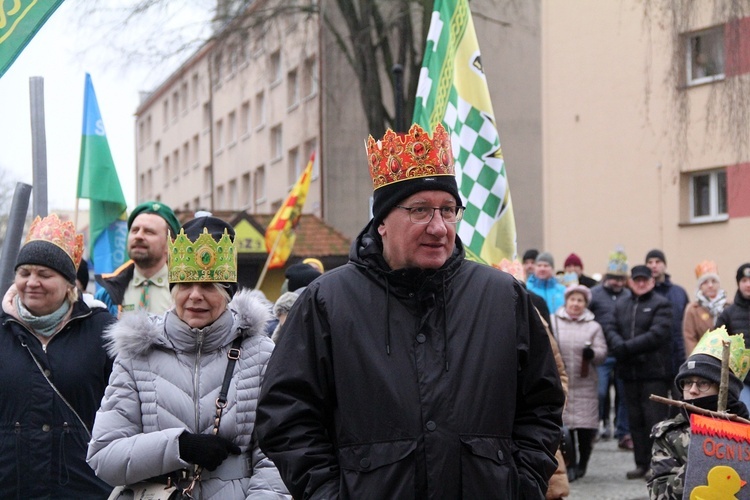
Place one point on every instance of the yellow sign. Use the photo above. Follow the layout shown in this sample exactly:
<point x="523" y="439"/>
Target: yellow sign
<point x="249" y="239"/>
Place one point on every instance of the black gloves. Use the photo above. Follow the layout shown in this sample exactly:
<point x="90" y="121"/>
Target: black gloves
<point x="588" y="353"/>
<point x="206" y="450"/>
<point x="620" y="352"/>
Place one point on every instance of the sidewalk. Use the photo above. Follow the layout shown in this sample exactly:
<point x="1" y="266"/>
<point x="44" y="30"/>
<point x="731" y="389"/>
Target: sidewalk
<point x="605" y="477"/>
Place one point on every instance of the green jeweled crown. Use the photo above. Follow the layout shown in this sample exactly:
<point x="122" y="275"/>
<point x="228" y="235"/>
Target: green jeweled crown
<point x="204" y="260"/>
<point x="739" y="357"/>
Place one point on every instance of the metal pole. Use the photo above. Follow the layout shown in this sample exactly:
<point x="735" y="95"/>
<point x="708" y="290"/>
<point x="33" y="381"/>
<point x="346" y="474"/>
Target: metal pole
<point x="12" y="242"/>
<point x="38" y="146"/>
<point x="398" y="89"/>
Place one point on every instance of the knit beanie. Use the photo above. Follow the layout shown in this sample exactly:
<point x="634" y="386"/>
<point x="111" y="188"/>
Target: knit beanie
<point x="300" y="275"/>
<point x="546" y="257"/>
<point x="404" y="164"/>
<point x="617" y="266"/>
<point x="52" y="243"/>
<point x="584" y="290"/>
<point x="284" y="303"/>
<point x="743" y="271"/>
<point x="573" y="260"/>
<point x="656" y="254"/>
<point x="709" y="368"/>
<point x="160" y="209"/>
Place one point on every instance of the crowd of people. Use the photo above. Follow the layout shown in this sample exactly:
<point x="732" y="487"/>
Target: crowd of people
<point x="386" y="377"/>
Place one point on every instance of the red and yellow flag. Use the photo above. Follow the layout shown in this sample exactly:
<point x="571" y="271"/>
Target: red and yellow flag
<point x="280" y="235"/>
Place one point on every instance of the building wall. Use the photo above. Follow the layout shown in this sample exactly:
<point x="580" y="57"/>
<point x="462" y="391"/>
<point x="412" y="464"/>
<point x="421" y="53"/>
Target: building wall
<point x="615" y="171"/>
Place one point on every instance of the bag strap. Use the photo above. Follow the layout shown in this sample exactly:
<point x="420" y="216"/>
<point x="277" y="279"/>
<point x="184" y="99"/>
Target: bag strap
<point x="36" y="362"/>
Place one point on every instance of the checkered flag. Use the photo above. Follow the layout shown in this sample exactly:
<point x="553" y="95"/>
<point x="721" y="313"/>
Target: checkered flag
<point x="453" y="90"/>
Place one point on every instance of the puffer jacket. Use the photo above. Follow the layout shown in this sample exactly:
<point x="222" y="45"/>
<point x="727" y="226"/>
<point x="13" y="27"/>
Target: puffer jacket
<point x="582" y="408"/>
<point x="165" y="381"/>
<point x="412" y="384"/>
<point x="641" y="339"/>
<point x="42" y="443"/>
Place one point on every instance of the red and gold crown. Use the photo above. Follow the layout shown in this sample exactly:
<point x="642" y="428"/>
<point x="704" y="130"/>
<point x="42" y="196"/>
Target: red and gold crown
<point x="399" y="157"/>
<point x="706" y="267"/>
<point x="514" y="268"/>
<point x="59" y="233"/>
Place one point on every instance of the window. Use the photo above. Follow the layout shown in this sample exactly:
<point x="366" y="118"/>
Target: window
<point x="206" y="117"/>
<point x="220" y="200"/>
<point x="196" y="150"/>
<point x="276" y="143"/>
<point x="232" y="194"/>
<point x="260" y="111"/>
<point x="195" y="85"/>
<point x="258" y="45"/>
<point x="708" y="196"/>
<point x="219" y="135"/>
<point x="196" y="203"/>
<point x="293" y="169"/>
<point x="245" y="119"/>
<point x="184" y="96"/>
<point x="166" y="170"/>
<point x="246" y="193"/>
<point x="274" y="63"/>
<point x="234" y="62"/>
<point x="148" y="128"/>
<point x="141" y="134"/>
<point x="705" y="56"/>
<point x="232" y="128"/>
<point x="165" y="113"/>
<point x="157" y="153"/>
<point x="176" y="164"/>
<point x="217" y="69"/>
<point x="260" y="185"/>
<point x="175" y="105"/>
<point x="185" y="157"/>
<point x="292" y="88"/>
<point x="310" y="77"/>
<point x="310" y="146"/>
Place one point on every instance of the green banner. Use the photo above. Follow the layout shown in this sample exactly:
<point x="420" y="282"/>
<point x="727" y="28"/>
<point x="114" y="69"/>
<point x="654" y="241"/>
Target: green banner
<point x="19" y="22"/>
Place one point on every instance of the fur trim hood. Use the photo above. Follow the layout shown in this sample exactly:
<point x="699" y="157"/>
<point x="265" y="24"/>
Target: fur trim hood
<point x="137" y="333"/>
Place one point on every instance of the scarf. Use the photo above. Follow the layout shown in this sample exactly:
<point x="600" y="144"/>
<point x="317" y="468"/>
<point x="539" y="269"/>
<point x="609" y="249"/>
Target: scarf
<point x="714" y="306"/>
<point x="712" y="402"/>
<point x="46" y="326"/>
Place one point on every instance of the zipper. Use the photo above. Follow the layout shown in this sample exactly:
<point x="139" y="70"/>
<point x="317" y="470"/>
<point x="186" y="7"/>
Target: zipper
<point x="196" y="376"/>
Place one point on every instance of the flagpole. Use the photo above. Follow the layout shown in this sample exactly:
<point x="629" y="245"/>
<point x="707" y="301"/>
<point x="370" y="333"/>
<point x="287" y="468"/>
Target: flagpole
<point x="268" y="260"/>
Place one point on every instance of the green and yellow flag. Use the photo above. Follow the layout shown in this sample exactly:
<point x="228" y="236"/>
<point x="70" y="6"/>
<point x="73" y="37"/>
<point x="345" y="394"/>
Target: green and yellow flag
<point x="453" y="90"/>
<point x="19" y="22"/>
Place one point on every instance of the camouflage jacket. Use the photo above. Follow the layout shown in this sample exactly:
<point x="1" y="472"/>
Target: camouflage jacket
<point x="668" y="458"/>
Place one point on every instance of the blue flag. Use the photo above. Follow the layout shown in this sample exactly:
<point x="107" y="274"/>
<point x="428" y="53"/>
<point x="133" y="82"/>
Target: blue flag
<point x="98" y="182"/>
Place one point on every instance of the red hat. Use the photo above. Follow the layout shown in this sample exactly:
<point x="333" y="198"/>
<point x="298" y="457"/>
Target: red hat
<point x="573" y="260"/>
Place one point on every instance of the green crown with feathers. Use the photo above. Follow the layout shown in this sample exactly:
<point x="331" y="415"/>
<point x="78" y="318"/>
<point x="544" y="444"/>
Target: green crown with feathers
<point x="712" y="344"/>
<point x="203" y="260"/>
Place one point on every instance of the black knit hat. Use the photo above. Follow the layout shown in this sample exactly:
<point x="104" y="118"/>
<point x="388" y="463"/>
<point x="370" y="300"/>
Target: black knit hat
<point x="215" y="227"/>
<point x="743" y="272"/>
<point x="656" y="254"/>
<point x="709" y="368"/>
<point x="44" y="253"/>
<point x="300" y="275"/>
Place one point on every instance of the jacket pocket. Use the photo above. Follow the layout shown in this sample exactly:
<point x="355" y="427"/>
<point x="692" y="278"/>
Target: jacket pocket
<point x="487" y="466"/>
<point x="378" y="470"/>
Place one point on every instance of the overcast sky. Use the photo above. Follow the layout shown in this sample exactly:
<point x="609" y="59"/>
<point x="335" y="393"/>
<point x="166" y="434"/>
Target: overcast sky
<point x="61" y="54"/>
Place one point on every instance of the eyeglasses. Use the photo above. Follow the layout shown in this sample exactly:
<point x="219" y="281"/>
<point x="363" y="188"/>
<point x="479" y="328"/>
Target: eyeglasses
<point x="703" y="385"/>
<point x="423" y="215"/>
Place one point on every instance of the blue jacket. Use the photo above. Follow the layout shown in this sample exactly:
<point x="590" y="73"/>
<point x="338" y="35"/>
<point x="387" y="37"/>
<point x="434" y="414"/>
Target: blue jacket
<point x="551" y="290"/>
<point x="43" y="444"/>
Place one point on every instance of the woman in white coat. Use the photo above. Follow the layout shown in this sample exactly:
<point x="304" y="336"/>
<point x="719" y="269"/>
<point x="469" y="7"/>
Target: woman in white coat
<point x="583" y="347"/>
<point x="157" y="419"/>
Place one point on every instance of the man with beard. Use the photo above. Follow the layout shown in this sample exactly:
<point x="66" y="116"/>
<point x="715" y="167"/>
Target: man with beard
<point x="141" y="283"/>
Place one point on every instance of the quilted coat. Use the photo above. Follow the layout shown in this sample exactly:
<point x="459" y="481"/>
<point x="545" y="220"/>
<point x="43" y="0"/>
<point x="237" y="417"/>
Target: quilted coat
<point x="165" y="381"/>
<point x="582" y="408"/>
<point x="412" y="384"/>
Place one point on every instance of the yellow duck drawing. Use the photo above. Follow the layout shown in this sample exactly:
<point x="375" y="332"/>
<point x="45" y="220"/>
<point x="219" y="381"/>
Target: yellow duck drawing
<point x="723" y="484"/>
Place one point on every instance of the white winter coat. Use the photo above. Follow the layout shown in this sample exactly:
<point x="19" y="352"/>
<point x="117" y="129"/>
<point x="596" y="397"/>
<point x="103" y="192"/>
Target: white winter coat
<point x="582" y="407"/>
<point x="165" y="381"/>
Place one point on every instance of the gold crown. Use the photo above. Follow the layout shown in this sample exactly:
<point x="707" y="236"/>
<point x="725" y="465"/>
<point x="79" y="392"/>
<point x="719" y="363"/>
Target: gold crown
<point x="204" y="260"/>
<point x="59" y="233"/>
<point x="739" y="357"/>
<point x="706" y="267"/>
<point x="398" y="157"/>
<point x="514" y="268"/>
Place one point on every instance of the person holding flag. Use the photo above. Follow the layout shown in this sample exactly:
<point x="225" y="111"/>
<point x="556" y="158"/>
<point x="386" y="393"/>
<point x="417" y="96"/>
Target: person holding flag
<point x="452" y="90"/>
<point x="411" y="372"/>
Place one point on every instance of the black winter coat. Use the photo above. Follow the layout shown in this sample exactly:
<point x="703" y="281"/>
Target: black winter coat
<point x="362" y="399"/>
<point x="640" y="339"/>
<point x="42" y="443"/>
<point x="736" y="317"/>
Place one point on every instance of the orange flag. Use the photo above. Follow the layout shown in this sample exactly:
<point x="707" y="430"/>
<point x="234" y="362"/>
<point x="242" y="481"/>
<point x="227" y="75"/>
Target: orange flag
<point x="280" y="233"/>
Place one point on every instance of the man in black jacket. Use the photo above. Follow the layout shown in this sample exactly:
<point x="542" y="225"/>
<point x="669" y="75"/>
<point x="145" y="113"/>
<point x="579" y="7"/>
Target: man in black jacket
<point x="411" y="372"/>
<point x="641" y="343"/>
<point x="736" y="317"/>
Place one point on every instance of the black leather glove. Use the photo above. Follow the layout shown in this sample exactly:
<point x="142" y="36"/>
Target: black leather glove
<point x="206" y="450"/>
<point x="588" y="353"/>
